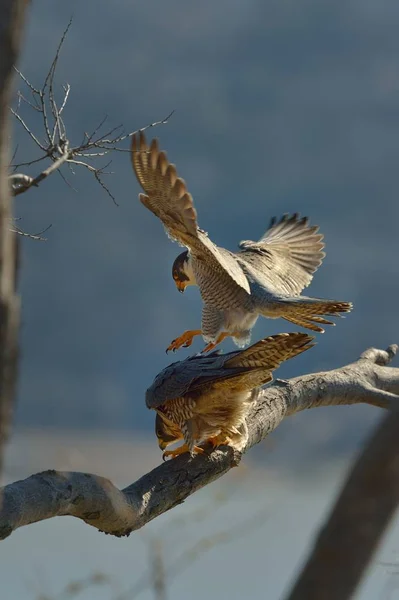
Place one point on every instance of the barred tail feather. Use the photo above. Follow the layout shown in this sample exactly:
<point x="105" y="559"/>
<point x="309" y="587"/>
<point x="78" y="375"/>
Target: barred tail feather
<point x="254" y="366"/>
<point x="271" y="352"/>
<point x="306" y="312"/>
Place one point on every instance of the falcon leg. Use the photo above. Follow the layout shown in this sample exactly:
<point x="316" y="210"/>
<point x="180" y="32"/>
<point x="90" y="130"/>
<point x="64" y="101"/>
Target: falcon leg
<point x="185" y="340"/>
<point x="181" y="450"/>
<point x="219" y="339"/>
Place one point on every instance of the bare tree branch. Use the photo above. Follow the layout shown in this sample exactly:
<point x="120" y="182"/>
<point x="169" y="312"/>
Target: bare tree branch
<point x="350" y="535"/>
<point x="11" y="25"/>
<point x="25" y="126"/>
<point x="23" y="182"/>
<point x="32" y="236"/>
<point x="55" y="145"/>
<point x="99" y="503"/>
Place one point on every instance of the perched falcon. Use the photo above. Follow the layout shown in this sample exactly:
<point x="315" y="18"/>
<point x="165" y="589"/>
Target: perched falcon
<point x="263" y="278"/>
<point x="205" y="398"/>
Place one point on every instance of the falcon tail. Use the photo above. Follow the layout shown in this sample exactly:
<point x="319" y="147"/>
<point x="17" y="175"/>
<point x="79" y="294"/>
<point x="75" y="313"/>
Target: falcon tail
<point x="255" y="364"/>
<point x="306" y="312"/>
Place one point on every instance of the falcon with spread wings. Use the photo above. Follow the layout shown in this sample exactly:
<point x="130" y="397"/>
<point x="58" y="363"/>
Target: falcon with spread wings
<point x="264" y="278"/>
<point x="205" y="398"/>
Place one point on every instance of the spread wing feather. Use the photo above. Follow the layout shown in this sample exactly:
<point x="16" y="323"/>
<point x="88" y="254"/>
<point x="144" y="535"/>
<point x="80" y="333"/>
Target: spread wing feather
<point x="167" y="197"/>
<point x="248" y="368"/>
<point x="269" y="353"/>
<point x="286" y="256"/>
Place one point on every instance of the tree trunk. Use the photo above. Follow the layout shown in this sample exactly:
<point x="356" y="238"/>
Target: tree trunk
<point x="11" y="25"/>
<point x="347" y="541"/>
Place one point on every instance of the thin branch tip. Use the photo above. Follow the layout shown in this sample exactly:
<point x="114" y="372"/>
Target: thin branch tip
<point x="54" y="143"/>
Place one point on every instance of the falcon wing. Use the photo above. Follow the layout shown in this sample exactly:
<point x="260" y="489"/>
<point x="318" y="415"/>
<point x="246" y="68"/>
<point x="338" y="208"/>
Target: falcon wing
<point x="186" y="376"/>
<point x="167" y="197"/>
<point x="248" y="368"/>
<point x="254" y="366"/>
<point x="286" y="257"/>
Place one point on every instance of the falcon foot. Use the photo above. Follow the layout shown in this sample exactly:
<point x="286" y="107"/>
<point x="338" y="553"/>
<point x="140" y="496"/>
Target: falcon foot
<point x="218" y="340"/>
<point x="209" y="347"/>
<point x="219" y="440"/>
<point x="185" y="340"/>
<point x="181" y="450"/>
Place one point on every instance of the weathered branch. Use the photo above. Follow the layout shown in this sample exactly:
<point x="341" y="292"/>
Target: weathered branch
<point x="21" y="183"/>
<point x="54" y="145"/>
<point x="99" y="503"/>
<point x="11" y="24"/>
<point x="350" y="536"/>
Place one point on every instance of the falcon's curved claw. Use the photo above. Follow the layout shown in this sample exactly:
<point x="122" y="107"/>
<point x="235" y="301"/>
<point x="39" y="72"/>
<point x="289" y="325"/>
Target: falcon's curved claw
<point x="219" y="440"/>
<point x="181" y="450"/>
<point x="185" y="340"/>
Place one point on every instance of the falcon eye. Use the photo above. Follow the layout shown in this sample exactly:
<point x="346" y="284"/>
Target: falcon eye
<point x="176" y="276"/>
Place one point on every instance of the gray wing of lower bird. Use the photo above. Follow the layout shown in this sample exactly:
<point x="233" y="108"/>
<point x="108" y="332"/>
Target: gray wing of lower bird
<point x="199" y="373"/>
<point x="182" y="377"/>
<point x="283" y="261"/>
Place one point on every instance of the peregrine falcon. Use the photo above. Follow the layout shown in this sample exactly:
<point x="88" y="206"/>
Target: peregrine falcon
<point x="205" y="398"/>
<point x="264" y="278"/>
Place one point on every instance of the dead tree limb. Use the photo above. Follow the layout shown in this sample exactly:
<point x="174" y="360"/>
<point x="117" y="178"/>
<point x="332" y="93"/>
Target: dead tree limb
<point x="99" y="503"/>
<point x="349" y="537"/>
<point x="11" y="25"/>
<point x="53" y="143"/>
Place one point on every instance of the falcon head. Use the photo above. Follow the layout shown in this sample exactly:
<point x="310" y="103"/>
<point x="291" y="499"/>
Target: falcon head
<point x="182" y="271"/>
<point x="166" y="431"/>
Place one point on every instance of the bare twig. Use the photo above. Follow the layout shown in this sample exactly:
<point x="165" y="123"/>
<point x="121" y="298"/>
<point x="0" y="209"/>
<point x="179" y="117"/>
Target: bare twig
<point x="57" y="147"/>
<point x="99" y="503"/>
<point x="25" y="126"/>
<point x="76" y="587"/>
<point x="21" y="97"/>
<point x="26" y="164"/>
<point x="14" y="153"/>
<point x="22" y="187"/>
<point x="33" y="236"/>
<point x="28" y="83"/>
<point x="189" y="556"/>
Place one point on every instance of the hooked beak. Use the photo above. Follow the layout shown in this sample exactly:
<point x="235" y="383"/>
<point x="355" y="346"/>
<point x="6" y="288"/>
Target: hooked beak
<point x="162" y="445"/>
<point x="180" y="286"/>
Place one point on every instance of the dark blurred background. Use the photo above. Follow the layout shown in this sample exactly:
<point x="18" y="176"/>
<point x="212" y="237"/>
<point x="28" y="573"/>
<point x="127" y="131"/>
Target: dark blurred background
<point x="279" y="107"/>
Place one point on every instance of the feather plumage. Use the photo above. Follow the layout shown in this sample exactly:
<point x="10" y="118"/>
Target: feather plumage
<point x="207" y="396"/>
<point x="264" y="278"/>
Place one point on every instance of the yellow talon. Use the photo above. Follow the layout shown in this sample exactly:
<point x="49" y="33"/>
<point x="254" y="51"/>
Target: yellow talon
<point x="185" y="340"/>
<point x="181" y="450"/>
<point x="222" y="336"/>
